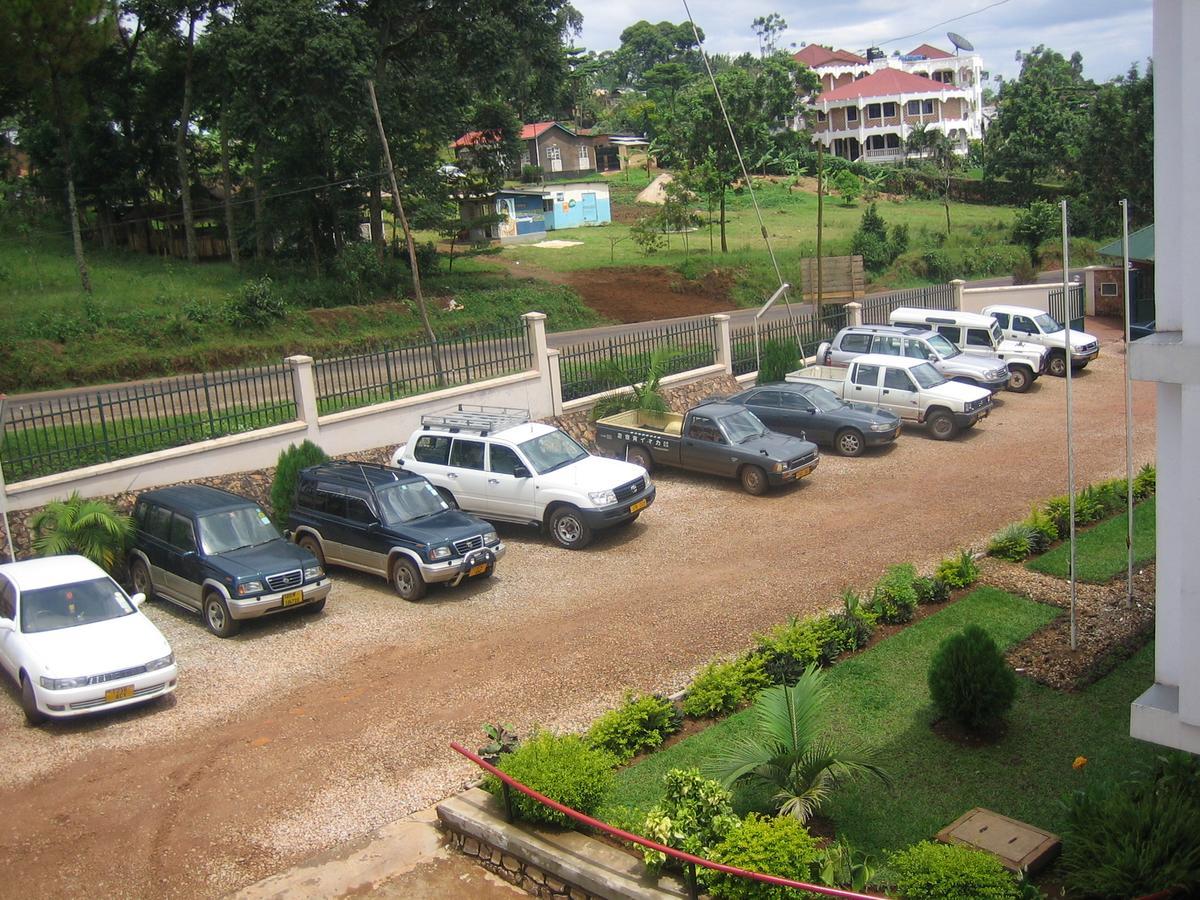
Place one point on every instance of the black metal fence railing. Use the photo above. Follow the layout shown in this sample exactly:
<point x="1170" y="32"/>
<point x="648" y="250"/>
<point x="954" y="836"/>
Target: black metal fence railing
<point x="348" y="382"/>
<point x="1072" y="317"/>
<point x="876" y="308"/>
<point x="594" y="366"/>
<point x="42" y="437"/>
<point x="803" y="334"/>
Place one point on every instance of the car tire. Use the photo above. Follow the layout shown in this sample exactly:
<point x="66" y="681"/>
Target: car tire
<point x="941" y="425"/>
<point x="448" y="497"/>
<point x="568" y="528"/>
<point x="312" y="545"/>
<point x="754" y="480"/>
<point x="1080" y="366"/>
<point x="33" y="715"/>
<point x="140" y="576"/>
<point x="1056" y="365"/>
<point x="1020" y="379"/>
<point x="849" y="442"/>
<point x="406" y="579"/>
<point x="216" y="616"/>
<point x="639" y="456"/>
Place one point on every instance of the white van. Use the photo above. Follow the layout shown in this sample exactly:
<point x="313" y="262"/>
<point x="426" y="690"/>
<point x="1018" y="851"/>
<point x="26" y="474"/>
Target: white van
<point x="1035" y="326"/>
<point x="979" y="335"/>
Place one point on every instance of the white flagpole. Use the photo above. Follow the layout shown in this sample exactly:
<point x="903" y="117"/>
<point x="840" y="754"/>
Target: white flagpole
<point x="1128" y="406"/>
<point x="1070" y="444"/>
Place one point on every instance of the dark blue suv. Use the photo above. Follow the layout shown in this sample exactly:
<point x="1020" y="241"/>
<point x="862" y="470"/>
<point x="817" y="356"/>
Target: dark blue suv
<point x="218" y="554"/>
<point x="392" y="523"/>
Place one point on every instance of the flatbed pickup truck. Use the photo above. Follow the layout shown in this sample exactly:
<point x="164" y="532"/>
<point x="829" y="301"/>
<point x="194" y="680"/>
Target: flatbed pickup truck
<point x="911" y="388"/>
<point x="717" y="438"/>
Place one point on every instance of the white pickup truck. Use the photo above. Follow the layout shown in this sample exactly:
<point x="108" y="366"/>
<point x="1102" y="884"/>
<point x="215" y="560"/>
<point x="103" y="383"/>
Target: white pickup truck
<point x="911" y="388"/>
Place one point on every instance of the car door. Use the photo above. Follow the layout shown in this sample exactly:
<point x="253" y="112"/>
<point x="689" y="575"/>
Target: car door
<point x="181" y="561"/>
<point x="10" y="638"/>
<point x="852" y="344"/>
<point x="704" y="448"/>
<point x="366" y="547"/>
<point x="806" y="420"/>
<point x="156" y="536"/>
<point x="888" y="345"/>
<point x="1001" y="318"/>
<point x="863" y="386"/>
<point x="467" y="475"/>
<point x="898" y="394"/>
<point x="510" y="497"/>
<point x="767" y="404"/>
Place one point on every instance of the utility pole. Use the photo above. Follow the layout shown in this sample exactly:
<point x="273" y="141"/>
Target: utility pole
<point x="820" y="219"/>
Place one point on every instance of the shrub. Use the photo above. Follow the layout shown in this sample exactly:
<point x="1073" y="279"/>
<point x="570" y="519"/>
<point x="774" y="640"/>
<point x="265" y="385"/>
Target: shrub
<point x="778" y="358"/>
<point x="1012" y="543"/>
<point x="1136" y="837"/>
<point x="894" y="598"/>
<point x="1089" y="506"/>
<point x="789" y="649"/>
<point x="428" y="258"/>
<point x="929" y="871"/>
<point x="90" y="528"/>
<point x="1144" y="483"/>
<point x="774" y="846"/>
<point x="255" y="304"/>
<point x="287" y="473"/>
<point x="1058" y="509"/>
<point x="530" y="174"/>
<point x="969" y="680"/>
<point x="694" y="815"/>
<point x="931" y="590"/>
<point x="854" y="624"/>
<point x="721" y="687"/>
<point x="501" y="739"/>
<point x="639" y="723"/>
<point x="843" y="866"/>
<point x="958" y="571"/>
<point x="1042" y="530"/>
<point x="562" y="768"/>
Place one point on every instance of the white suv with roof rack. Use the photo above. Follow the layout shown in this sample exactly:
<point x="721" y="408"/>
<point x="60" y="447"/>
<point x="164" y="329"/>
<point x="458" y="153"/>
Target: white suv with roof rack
<point x="495" y="463"/>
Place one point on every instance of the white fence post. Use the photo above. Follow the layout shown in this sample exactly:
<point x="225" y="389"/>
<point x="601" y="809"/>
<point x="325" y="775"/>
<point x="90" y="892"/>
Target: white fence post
<point x="724" y="348"/>
<point x="959" y="285"/>
<point x="535" y="325"/>
<point x="854" y="313"/>
<point x="304" y="387"/>
<point x="1089" y="290"/>
<point x="555" y="379"/>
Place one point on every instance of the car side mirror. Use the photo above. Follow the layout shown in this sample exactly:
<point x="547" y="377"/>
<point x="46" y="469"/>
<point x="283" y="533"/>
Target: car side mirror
<point x="138" y="599"/>
<point x="521" y="472"/>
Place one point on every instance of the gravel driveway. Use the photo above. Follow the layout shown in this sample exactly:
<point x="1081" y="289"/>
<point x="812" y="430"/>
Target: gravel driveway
<point x="305" y="731"/>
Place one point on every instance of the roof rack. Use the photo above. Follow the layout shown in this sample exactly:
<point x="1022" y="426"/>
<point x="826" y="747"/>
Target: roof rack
<point x="481" y="419"/>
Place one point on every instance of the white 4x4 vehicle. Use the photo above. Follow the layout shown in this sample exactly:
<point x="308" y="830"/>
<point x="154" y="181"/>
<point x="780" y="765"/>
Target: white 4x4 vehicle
<point x="495" y="463"/>
<point x="1036" y="326"/>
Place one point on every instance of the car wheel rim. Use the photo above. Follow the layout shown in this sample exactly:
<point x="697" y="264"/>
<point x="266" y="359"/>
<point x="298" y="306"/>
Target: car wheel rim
<point x="216" y="615"/>
<point x="754" y="480"/>
<point x="850" y="443"/>
<point x="941" y="426"/>
<point x="141" y="583"/>
<point x="567" y="529"/>
<point x="404" y="581"/>
<point x="1017" y="380"/>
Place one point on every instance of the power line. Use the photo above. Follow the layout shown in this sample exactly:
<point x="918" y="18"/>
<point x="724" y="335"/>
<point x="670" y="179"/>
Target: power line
<point x="905" y="37"/>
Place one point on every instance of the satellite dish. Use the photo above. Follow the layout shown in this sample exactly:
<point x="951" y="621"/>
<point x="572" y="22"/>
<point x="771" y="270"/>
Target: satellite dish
<point x="959" y="42"/>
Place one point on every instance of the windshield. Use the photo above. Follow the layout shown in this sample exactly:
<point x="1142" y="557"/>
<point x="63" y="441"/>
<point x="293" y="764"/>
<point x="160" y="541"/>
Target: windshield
<point x="1048" y="323"/>
<point x="403" y="501"/>
<point x="944" y="348"/>
<point x="927" y="376"/>
<point x="235" y="529"/>
<point x="552" y="451"/>
<point x="67" y="605"/>
<point x="824" y="400"/>
<point x="741" y="426"/>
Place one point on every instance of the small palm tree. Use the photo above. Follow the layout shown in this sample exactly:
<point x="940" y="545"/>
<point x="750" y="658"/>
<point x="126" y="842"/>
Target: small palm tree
<point x="646" y="394"/>
<point x="787" y="753"/>
<point x="91" y="528"/>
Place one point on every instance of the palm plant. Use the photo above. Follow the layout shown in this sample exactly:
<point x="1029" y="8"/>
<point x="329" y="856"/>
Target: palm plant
<point x="91" y="528"/>
<point x="787" y="753"/>
<point x="646" y="394"/>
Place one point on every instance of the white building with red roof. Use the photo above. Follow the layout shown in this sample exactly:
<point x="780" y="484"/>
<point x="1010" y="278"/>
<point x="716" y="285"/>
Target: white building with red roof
<point x="868" y="106"/>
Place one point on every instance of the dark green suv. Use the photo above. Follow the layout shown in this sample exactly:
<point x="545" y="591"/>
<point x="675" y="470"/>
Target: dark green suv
<point x="218" y="554"/>
<point x="392" y="523"/>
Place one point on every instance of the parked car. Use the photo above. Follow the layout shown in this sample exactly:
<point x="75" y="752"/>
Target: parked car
<point x="979" y="335"/>
<point x="391" y="523"/>
<point x="988" y="372"/>
<point x="717" y="438"/>
<point x="911" y="388"/>
<point x="218" y="554"/>
<point x="818" y="414"/>
<point x="1036" y="326"/>
<point x="494" y="462"/>
<point x="75" y="642"/>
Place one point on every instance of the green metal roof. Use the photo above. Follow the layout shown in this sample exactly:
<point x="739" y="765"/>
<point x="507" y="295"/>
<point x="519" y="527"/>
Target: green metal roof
<point x="1141" y="246"/>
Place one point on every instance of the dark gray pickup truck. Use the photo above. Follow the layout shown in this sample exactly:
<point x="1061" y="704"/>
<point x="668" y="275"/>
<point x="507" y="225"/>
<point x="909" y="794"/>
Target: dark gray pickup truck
<point x="717" y="438"/>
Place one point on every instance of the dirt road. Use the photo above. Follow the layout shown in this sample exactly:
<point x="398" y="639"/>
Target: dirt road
<point x="306" y="732"/>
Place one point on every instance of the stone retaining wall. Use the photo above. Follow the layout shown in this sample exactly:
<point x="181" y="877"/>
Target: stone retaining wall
<point x="524" y="875"/>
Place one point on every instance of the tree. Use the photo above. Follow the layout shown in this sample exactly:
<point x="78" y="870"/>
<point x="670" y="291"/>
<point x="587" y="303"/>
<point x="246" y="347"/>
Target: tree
<point x="644" y="46"/>
<point x="768" y="29"/>
<point x="849" y="186"/>
<point x="785" y="752"/>
<point x="90" y="528"/>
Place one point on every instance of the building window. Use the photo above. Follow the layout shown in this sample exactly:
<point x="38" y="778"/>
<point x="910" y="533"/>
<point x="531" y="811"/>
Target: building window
<point x="547" y="206"/>
<point x="821" y="116"/>
<point x="584" y="159"/>
<point x="1108" y="289"/>
<point x="552" y="152"/>
<point x="920" y="107"/>
<point x="874" y="111"/>
<point x="889" y="110"/>
<point x="851" y="113"/>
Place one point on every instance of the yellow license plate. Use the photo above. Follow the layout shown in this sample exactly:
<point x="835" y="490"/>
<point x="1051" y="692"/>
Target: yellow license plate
<point x="477" y="570"/>
<point x="639" y="506"/>
<point x="121" y="693"/>
<point x="805" y="470"/>
<point x="292" y="598"/>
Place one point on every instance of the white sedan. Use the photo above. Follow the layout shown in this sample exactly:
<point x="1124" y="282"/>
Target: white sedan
<point x="76" y="642"/>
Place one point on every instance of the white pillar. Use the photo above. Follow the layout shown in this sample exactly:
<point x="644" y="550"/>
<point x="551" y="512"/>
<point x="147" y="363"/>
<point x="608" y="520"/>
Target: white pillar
<point x="854" y="313"/>
<point x="1089" y="289"/>
<point x="535" y="327"/>
<point x="304" y="388"/>
<point x="555" y="382"/>
<point x="724" y="348"/>
<point x="959" y="286"/>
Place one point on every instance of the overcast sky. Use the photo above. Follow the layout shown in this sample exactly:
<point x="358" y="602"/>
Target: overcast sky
<point x="1111" y="34"/>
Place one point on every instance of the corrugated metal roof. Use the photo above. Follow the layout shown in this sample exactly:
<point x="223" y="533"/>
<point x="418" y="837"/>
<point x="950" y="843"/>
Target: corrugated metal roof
<point x="815" y="55"/>
<point x="1141" y="246"/>
<point x="885" y="83"/>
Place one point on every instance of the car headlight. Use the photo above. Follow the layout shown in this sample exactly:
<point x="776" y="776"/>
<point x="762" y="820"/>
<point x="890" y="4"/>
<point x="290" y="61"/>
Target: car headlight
<point x="250" y="587"/>
<point x="882" y="426"/>
<point x="1000" y="373"/>
<point x="602" y="498"/>
<point x="779" y="467"/>
<point x="161" y="663"/>
<point x="439" y="552"/>
<point x="63" y="684"/>
<point x="490" y="537"/>
<point x="312" y="573"/>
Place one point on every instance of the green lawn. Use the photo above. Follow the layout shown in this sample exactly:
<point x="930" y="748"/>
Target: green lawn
<point x="881" y="696"/>
<point x="1100" y="551"/>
